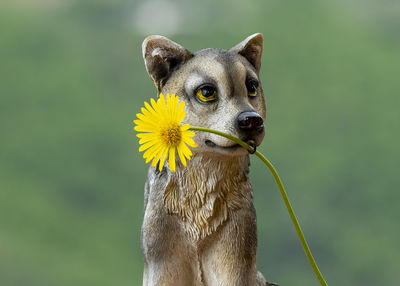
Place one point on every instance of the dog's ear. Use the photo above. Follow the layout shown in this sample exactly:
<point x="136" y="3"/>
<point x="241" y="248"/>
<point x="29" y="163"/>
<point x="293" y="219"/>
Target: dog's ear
<point x="161" y="57"/>
<point x="251" y="48"/>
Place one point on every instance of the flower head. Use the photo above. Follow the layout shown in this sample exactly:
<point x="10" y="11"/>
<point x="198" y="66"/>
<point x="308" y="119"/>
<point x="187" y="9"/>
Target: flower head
<point x="163" y="135"/>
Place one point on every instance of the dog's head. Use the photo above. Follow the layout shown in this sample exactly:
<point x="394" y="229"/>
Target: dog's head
<point x="221" y="88"/>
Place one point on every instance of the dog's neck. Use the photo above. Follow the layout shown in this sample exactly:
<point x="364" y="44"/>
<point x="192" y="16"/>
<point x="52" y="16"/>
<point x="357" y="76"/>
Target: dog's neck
<point x="204" y="193"/>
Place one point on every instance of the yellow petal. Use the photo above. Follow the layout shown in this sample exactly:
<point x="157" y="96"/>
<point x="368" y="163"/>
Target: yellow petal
<point x="155" y="106"/>
<point x="149" y="108"/>
<point x="157" y="156"/>
<point x="175" y="104"/>
<point x="149" y="119"/>
<point x="163" y="157"/>
<point x="172" y="108"/>
<point x="152" y="152"/>
<point x="149" y="125"/>
<point x="185" y="150"/>
<point x="181" y="156"/>
<point x="180" y="112"/>
<point x="145" y="135"/>
<point x="171" y="159"/>
<point x="189" y="141"/>
<point x="151" y="137"/>
<point x="145" y="112"/>
<point x="141" y="128"/>
<point x="146" y="146"/>
<point x="169" y="106"/>
<point x="152" y="111"/>
<point x="161" y="103"/>
<point x="185" y="127"/>
<point x="189" y="133"/>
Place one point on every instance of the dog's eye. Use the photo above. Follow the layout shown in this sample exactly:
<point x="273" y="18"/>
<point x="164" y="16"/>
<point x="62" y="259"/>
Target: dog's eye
<point x="206" y="93"/>
<point x="252" y="88"/>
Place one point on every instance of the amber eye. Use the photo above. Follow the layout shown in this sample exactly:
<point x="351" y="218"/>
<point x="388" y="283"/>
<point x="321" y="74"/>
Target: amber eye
<point x="252" y="88"/>
<point x="206" y="93"/>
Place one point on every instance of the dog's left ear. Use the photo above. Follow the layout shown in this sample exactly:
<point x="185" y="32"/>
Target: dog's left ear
<point x="251" y="48"/>
<point x="162" y="57"/>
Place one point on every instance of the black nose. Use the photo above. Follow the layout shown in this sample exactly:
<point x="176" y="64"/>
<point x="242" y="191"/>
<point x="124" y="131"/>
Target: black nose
<point x="250" y="121"/>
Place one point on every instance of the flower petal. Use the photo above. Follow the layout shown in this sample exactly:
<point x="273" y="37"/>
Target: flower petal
<point x="185" y="127"/>
<point x="161" y="104"/>
<point x="149" y="125"/>
<point x="171" y="159"/>
<point x="169" y="106"/>
<point x="150" y="137"/>
<point x="146" y="145"/>
<point x="155" y="107"/>
<point x="189" y="141"/>
<point x="175" y="103"/>
<point x="163" y="157"/>
<point x="185" y="150"/>
<point x="189" y="133"/>
<point x="181" y="156"/>
<point x="142" y="128"/>
<point x="180" y="112"/>
<point x="149" y="119"/>
<point x="157" y="156"/>
<point x="151" y="152"/>
<point x="145" y="135"/>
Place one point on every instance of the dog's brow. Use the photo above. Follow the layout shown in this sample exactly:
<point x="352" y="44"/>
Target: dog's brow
<point x="240" y="72"/>
<point x="197" y="78"/>
<point x="251" y="74"/>
<point x="215" y="71"/>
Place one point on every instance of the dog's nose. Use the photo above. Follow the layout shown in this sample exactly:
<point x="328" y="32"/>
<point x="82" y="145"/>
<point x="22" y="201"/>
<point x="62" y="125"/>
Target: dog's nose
<point x="250" y="121"/>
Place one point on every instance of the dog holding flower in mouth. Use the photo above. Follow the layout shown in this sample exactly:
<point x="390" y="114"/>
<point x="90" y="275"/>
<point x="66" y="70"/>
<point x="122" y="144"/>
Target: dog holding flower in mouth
<point x="199" y="226"/>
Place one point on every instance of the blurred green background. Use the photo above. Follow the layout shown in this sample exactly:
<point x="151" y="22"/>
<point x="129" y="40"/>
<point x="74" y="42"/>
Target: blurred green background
<point x="72" y="79"/>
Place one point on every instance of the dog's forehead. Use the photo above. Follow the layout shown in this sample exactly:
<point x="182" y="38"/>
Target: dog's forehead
<point x="221" y="64"/>
<point x="220" y="56"/>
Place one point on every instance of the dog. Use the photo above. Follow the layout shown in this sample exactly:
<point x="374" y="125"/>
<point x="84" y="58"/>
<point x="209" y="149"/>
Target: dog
<point x="199" y="225"/>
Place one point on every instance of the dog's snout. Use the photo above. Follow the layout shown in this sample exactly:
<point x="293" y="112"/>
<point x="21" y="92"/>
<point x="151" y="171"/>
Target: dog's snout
<point x="250" y="121"/>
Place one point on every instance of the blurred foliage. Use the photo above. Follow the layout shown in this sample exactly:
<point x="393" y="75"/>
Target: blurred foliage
<point x="71" y="178"/>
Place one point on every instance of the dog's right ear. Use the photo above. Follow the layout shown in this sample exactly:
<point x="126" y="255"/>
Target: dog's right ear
<point x="251" y="48"/>
<point x="161" y="57"/>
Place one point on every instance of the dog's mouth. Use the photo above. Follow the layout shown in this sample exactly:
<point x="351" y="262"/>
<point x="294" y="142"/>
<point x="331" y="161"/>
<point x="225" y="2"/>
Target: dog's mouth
<point x="211" y="144"/>
<point x="233" y="147"/>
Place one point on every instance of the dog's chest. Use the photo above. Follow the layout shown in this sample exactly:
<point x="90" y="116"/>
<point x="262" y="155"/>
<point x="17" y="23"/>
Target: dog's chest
<point x="203" y="194"/>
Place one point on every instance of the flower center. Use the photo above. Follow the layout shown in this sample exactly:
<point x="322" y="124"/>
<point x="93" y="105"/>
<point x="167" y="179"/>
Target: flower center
<point x="171" y="134"/>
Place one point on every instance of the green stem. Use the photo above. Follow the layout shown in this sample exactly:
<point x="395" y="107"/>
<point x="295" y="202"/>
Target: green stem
<point x="283" y="193"/>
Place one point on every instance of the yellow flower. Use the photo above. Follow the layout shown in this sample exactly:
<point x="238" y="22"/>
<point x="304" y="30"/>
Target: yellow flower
<point x="163" y="133"/>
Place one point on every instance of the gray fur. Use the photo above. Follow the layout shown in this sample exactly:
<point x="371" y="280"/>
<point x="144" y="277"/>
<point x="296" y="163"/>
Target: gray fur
<point x="199" y="226"/>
